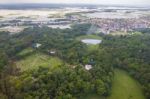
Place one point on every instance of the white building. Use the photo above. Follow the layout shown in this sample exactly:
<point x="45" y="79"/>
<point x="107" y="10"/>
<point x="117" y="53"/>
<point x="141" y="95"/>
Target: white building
<point x="88" y="67"/>
<point x="37" y="45"/>
<point x="52" y="52"/>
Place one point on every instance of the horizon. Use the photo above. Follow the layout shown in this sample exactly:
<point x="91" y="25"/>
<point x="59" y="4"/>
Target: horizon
<point x="76" y="2"/>
<point x="70" y="4"/>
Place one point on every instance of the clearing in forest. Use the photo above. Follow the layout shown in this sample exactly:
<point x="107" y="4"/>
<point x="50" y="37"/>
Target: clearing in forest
<point x="125" y="87"/>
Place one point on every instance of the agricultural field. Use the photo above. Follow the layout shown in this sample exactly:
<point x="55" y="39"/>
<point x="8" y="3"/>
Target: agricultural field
<point x="125" y="87"/>
<point x="32" y="60"/>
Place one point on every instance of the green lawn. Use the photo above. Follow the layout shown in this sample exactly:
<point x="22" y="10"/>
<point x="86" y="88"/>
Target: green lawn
<point x="36" y="59"/>
<point x="118" y="33"/>
<point x="90" y="36"/>
<point x="25" y="51"/>
<point x="93" y="47"/>
<point x="125" y="87"/>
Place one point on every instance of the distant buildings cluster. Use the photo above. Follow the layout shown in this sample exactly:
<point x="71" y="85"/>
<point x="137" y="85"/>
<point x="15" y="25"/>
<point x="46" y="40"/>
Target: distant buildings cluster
<point x="111" y="25"/>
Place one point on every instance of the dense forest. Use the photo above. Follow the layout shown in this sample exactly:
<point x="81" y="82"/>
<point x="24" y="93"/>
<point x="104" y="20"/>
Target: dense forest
<point x="70" y="80"/>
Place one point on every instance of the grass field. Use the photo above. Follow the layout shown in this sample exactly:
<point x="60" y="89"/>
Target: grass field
<point x="33" y="61"/>
<point x="88" y="37"/>
<point x="93" y="47"/>
<point x="118" y="33"/>
<point x="25" y="52"/>
<point x="125" y="87"/>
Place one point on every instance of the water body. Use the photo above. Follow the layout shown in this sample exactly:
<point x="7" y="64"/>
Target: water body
<point x="91" y="41"/>
<point x="60" y="26"/>
<point x="112" y="15"/>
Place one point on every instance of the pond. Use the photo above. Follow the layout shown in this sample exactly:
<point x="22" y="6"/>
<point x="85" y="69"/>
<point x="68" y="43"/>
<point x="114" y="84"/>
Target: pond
<point x="91" y="41"/>
<point x="60" y="26"/>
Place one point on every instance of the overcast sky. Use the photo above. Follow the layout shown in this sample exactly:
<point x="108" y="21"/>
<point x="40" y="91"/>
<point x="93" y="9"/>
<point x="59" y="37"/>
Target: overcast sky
<point x="125" y="2"/>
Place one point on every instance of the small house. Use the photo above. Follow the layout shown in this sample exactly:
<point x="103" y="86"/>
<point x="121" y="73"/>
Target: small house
<point x="37" y="45"/>
<point x="52" y="52"/>
<point x="88" y="67"/>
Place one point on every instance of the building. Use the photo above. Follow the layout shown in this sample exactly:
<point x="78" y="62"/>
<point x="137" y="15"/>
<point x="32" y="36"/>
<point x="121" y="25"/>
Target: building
<point x="88" y="67"/>
<point x="37" y="45"/>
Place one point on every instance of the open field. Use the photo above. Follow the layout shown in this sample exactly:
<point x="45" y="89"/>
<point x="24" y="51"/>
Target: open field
<point x="93" y="47"/>
<point x="125" y="87"/>
<point x="88" y="37"/>
<point x="124" y="33"/>
<point x="36" y="59"/>
<point x="38" y="13"/>
<point x="118" y="14"/>
<point x="25" y="52"/>
<point x="13" y="29"/>
<point x="92" y="96"/>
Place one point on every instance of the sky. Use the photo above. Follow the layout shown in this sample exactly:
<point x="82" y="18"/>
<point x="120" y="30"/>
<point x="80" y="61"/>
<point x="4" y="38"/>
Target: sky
<point x="124" y="2"/>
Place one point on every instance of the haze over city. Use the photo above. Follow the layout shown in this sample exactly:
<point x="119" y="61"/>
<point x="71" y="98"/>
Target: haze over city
<point x="118" y="2"/>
